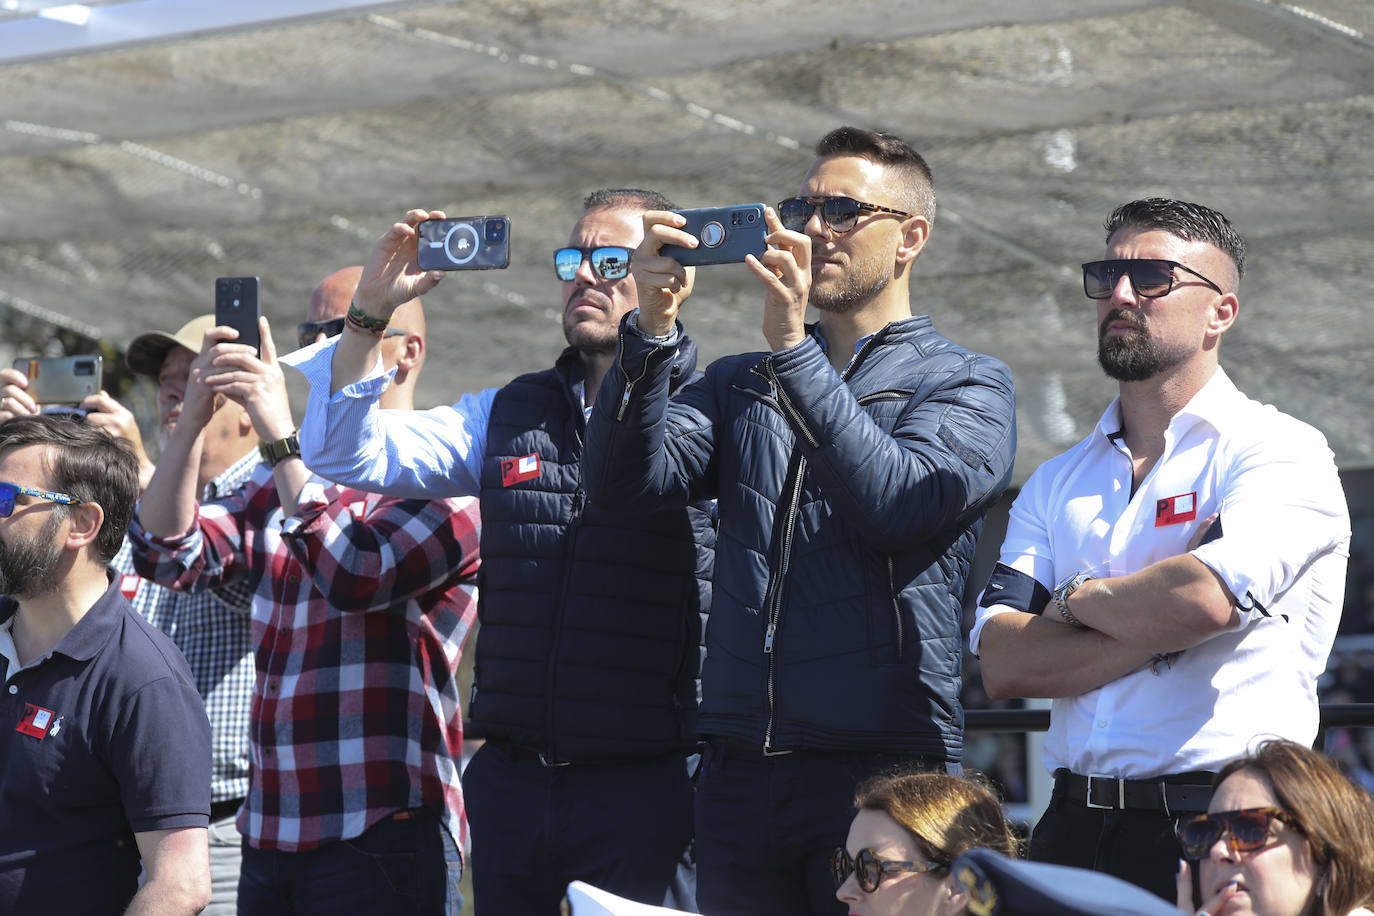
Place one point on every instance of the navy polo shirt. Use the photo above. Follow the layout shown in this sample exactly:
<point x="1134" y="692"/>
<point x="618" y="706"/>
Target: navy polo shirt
<point x="103" y="737"/>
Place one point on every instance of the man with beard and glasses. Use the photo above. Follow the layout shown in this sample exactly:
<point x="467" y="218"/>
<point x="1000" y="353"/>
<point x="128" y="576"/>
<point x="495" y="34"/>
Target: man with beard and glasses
<point x="104" y="743"/>
<point x="590" y="637"/>
<point x="211" y="628"/>
<point x="853" y="465"/>
<point x="1174" y="581"/>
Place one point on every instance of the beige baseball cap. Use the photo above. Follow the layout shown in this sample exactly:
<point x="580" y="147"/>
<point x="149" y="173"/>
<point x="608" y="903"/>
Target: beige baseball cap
<point x="147" y="351"/>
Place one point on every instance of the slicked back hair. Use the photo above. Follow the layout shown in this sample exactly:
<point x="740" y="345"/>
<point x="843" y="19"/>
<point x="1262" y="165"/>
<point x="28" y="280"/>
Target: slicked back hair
<point x="914" y="185"/>
<point x="626" y="199"/>
<point x="1188" y="221"/>
<point x="86" y="462"/>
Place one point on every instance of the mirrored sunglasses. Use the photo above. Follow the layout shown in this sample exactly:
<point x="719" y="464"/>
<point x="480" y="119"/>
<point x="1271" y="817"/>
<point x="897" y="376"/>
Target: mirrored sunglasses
<point x="1151" y="278"/>
<point x="611" y="262"/>
<point x="869" y="870"/>
<point x="840" y="213"/>
<point x="8" y="492"/>
<point x="1248" y="828"/>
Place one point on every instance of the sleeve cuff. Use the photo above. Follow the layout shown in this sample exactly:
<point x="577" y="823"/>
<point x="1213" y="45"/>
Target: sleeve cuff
<point x="666" y="340"/>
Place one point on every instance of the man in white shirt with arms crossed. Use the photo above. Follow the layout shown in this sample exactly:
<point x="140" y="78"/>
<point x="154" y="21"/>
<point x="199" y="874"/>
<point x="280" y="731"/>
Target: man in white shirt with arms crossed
<point x="1195" y="543"/>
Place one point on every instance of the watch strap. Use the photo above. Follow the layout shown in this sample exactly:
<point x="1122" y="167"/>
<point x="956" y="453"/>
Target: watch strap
<point x="275" y="453"/>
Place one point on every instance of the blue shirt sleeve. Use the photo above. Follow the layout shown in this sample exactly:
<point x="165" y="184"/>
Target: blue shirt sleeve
<point x="424" y="454"/>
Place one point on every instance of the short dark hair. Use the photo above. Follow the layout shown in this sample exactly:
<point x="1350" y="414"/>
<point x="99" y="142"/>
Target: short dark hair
<point x="917" y="184"/>
<point x="86" y="462"/>
<point x="626" y="199"/>
<point x="1189" y="221"/>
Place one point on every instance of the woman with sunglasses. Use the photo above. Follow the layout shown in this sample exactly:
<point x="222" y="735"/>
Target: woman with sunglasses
<point x="908" y="830"/>
<point x="1284" y="835"/>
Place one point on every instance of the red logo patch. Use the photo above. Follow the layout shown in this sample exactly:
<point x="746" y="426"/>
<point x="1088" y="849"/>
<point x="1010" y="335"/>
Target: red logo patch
<point x="518" y="470"/>
<point x="35" y="721"/>
<point x="1176" y="510"/>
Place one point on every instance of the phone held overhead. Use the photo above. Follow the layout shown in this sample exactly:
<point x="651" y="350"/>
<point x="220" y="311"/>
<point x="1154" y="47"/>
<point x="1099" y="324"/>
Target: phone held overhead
<point x="725" y="235"/>
<point x="464" y="243"/>
<point x="62" y="379"/>
<point x="237" y="306"/>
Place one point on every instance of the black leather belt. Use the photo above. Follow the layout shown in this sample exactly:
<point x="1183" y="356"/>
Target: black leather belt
<point x="221" y="809"/>
<point x="1185" y="793"/>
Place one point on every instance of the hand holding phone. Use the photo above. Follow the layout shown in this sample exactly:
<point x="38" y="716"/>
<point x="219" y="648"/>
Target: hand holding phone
<point x="237" y="306"/>
<point x="725" y="235"/>
<point x="464" y="243"/>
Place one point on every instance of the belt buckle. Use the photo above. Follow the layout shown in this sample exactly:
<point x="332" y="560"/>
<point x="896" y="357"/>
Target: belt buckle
<point x="1120" y="793"/>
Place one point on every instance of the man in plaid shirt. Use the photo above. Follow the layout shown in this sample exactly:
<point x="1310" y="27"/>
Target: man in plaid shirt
<point x="361" y="604"/>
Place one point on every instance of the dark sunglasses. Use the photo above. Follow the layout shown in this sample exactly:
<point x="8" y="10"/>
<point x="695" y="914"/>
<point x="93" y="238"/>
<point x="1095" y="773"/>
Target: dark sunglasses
<point x="1247" y="827"/>
<point x="869" y="870"/>
<point x="1151" y="278"/>
<point x="839" y="213"/>
<point x="8" y="491"/>
<point x="307" y="331"/>
<point x="610" y="261"/>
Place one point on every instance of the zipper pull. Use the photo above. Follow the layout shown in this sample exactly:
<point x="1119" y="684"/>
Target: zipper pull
<point x="624" y="401"/>
<point x="768" y="639"/>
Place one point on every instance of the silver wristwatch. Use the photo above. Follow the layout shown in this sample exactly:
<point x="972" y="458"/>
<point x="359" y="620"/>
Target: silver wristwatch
<point x="1061" y="597"/>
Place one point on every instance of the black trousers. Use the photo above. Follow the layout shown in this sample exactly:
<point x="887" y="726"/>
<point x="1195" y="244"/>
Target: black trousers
<point x="1136" y="846"/>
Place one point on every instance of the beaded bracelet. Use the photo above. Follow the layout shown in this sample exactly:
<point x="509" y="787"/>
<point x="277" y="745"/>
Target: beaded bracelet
<point x="364" y="323"/>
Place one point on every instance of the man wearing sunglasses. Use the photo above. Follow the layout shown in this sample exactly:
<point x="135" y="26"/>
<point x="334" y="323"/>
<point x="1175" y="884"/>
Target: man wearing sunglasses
<point x="104" y="742"/>
<point x="360" y="607"/>
<point x="210" y="627"/>
<point x="589" y="647"/>
<point x="1174" y="581"/>
<point x="853" y="464"/>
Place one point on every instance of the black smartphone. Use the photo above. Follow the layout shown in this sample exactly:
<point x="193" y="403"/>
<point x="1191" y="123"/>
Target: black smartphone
<point x="62" y="379"/>
<point x="465" y="243"/>
<point x="236" y="305"/>
<point x="726" y="235"/>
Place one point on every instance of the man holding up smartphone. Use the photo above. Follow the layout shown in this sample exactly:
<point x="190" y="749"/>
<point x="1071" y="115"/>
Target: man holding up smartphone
<point x="589" y="648"/>
<point x="853" y="465"/>
<point x="360" y="606"/>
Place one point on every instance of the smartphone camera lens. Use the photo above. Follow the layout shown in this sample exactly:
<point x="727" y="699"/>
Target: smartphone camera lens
<point x="495" y="231"/>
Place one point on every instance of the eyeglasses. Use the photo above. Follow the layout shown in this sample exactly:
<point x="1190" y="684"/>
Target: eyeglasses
<point x="610" y="261"/>
<point x="1247" y="827"/>
<point x="869" y="870"/>
<point x="1151" y="278"/>
<point x="840" y="213"/>
<point x="8" y="491"/>
<point x="308" y="331"/>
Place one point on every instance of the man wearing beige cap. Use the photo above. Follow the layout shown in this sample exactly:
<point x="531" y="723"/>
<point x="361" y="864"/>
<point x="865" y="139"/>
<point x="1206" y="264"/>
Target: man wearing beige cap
<point x="211" y="627"/>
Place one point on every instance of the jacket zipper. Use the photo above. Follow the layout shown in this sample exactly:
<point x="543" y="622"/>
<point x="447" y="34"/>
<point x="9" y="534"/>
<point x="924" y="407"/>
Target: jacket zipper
<point x="896" y="607"/>
<point x="629" y="382"/>
<point x="774" y="600"/>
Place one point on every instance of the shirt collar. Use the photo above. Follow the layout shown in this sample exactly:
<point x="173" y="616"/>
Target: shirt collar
<point x="825" y="347"/>
<point x="91" y="632"/>
<point x="1211" y="404"/>
<point x="232" y="477"/>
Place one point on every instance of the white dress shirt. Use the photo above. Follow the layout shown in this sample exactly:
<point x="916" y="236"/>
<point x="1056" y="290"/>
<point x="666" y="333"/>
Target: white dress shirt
<point x="1285" y="538"/>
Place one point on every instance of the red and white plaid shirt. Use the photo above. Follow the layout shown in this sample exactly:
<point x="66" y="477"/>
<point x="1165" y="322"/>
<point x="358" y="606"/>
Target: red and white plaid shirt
<point x="361" y="605"/>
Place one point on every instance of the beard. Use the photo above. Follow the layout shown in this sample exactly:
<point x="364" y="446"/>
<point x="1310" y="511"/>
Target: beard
<point x="1133" y="357"/>
<point x="860" y="284"/>
<point x="591" y="336"/>
<point x="27" y="566"/>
